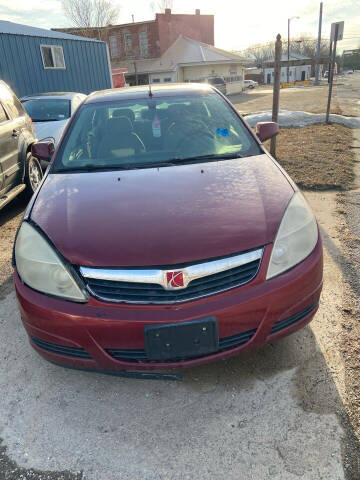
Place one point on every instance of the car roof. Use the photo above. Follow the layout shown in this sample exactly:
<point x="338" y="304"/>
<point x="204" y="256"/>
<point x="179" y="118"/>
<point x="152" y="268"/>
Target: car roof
<point x="142" y="91"/>
<point x="52" y="95"/>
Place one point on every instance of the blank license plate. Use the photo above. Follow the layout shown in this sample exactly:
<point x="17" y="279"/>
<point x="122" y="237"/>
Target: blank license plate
<point x="182" y="340"/>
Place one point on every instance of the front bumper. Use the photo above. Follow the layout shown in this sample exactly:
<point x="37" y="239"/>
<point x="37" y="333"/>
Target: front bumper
<point x="107" y="336"/>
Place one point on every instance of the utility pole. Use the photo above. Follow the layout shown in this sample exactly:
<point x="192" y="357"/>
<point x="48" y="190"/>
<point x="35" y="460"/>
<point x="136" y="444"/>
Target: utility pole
<point x="330" y="55"/>
<point x="331" y="73"/>
<point x="288" y="50"/>
<point x="276" y="91"/>
<point x="317" y="66"/>
<point x="288" y="53"/>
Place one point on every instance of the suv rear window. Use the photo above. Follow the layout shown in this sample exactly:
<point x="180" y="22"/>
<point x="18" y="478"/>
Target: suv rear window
<point x="47" y="110"/>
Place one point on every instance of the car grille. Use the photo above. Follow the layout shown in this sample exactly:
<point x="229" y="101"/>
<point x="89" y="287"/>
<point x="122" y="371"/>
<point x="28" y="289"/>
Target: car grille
<point x="297" y="317"/>
<point x="137" y="292"/>
<point x="140" y="355"/>
<point x="74" y="352"/>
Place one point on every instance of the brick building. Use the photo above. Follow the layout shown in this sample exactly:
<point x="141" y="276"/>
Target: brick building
<point x="150" y="39"/>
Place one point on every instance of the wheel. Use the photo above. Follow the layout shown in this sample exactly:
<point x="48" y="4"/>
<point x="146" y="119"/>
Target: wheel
<point x="33" y="175"/>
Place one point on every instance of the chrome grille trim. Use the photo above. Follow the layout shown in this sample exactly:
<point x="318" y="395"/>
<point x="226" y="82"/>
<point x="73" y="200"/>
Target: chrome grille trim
<point x="159" y="276"/>
<point x="120" y="280"/>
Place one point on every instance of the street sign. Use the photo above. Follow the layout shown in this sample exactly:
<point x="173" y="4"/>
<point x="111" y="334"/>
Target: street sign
<point x="340" y="31"/>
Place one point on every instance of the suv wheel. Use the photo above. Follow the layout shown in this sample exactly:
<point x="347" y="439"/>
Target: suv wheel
<point x="33" y="174"/>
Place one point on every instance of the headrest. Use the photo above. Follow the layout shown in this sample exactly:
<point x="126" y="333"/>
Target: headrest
<point x="124" y="112"/>
<point x="119" y="125"/>
<point x="176" y="109"/>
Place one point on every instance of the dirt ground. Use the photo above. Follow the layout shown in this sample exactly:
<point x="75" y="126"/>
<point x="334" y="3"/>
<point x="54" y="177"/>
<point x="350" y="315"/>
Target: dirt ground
<point x="10" y="218"/>
<point x="318" y="157"/>
<point x="308" y="99"/>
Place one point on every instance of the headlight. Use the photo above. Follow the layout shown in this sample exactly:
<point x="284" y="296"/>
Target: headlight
<point x="40" y="267"/>
<point x="296" y="237"/>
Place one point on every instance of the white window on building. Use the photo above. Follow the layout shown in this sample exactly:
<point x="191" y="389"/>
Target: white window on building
<point x="53" y="56"/>
<point x="127" y="41"/>
<point x="167" y="79"/>
<point x="144" y="44"/>
<point x="155" y="80"/>
<point x="114" y="47"/>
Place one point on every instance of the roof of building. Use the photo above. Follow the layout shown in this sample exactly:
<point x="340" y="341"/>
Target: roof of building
<point x="142" y="91"/>
<point x="184" y="52"/>
<point x="19" y="29"/>
<point x="293" y="56"/>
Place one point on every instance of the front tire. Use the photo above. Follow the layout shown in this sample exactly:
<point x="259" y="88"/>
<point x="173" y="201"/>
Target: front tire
<point x="33" y="175"/>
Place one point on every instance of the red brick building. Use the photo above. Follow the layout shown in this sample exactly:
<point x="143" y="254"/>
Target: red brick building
<point x="141" y="40"/>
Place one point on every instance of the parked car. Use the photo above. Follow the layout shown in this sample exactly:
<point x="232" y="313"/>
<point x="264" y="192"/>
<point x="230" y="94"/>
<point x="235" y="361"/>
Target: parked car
<point x="51" y="112"/>
<point x="250" y="84"/>
<point x="19" y="170"/>
<point x="350" y="72"/>
<point x="163" y="240"/>
<point x="326" y="74"/>
<point x="217" y="82"/>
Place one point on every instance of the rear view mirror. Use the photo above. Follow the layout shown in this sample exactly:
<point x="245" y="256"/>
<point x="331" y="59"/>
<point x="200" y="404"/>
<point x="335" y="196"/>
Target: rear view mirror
<point x="43" y="150"/>
<point x="266" y="130"/>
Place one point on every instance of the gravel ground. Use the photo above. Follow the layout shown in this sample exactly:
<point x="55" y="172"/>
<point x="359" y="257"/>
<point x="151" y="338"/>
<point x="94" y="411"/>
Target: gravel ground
<point x="10" y="218"/>
<point x="307" y="99"/>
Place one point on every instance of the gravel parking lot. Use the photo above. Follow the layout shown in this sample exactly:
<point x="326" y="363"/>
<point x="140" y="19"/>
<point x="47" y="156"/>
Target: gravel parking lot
<point x="308" y="99"/>
<point x="284" y="412"/>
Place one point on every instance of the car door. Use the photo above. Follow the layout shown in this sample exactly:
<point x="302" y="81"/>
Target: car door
<point x="9" y="154"/>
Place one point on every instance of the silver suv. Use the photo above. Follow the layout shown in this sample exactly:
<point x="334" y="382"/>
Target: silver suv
<point x="19" y="170"/>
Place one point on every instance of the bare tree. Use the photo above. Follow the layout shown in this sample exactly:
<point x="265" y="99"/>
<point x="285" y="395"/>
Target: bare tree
<point x="161" y="5"/>
<point x="90" y="13"/>
<point x="304" y="45"/>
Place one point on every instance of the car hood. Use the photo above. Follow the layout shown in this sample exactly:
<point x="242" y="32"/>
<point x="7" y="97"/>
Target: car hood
<point x="50" y="129"/>
<point x="163" y="216"/>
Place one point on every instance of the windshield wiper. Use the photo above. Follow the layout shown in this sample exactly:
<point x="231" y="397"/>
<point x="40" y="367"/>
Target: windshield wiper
<point x="204" y="158"/>
<point x="89" y="167"/>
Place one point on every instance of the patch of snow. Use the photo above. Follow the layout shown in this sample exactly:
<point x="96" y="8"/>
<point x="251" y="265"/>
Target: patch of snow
<point x="288" y="118"/>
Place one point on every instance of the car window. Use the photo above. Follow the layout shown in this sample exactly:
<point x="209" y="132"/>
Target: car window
<point x="47" y="110"/>
<point x="10" y="101"/>
<point x="215" y="80"/>
<point x="3" y="116"/>
<point x="141" y="131"/>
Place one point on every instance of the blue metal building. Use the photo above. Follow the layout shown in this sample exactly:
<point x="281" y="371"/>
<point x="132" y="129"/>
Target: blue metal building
<point x="35" y="60"/>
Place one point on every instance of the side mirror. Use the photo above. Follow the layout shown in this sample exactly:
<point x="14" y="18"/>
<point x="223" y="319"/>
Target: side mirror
<point x="43" y="150"/>
<point x="266" y="130"/>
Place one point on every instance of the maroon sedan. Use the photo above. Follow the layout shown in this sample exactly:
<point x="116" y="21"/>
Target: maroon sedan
<point x="163" y="235"/>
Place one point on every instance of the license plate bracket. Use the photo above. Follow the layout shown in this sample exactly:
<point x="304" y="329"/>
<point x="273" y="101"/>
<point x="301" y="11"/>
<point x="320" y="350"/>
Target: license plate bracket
<point x="176" y="341"/>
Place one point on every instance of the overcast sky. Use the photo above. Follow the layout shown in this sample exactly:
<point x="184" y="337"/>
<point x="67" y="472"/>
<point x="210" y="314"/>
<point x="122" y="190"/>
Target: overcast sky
<point x="238" y="24"/>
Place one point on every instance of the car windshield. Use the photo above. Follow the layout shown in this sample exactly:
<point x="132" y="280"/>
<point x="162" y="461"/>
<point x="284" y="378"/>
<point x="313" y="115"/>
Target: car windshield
<point x="47" y="110"/>
<point x="153" y="131"/>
